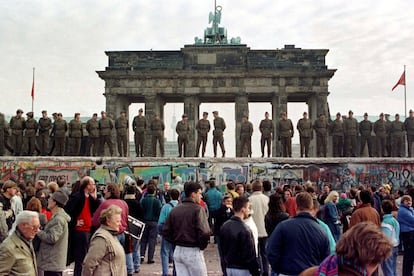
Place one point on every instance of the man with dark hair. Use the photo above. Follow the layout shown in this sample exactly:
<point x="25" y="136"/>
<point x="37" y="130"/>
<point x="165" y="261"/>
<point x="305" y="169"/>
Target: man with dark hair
<point x="365" y="212"/>
<point x="152" y="207"/>
<point x="237" y="243"/>
<point x="267" y="187"/>
<point x="203" y="128"/>
<point x="167" y="248"/>
<point x="298" y="243"/>
<point x="80" y="208"/>
<point x="9" y="190"/>
<point x="187" y="228"/>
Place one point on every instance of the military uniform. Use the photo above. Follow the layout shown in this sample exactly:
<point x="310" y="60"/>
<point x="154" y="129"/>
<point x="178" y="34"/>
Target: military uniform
<point x="219" y="127"/>
<point x="105" y="135"/>
<point x="4" y="134"/>
<point x="409" y="127"/>
<point x="203" y="128"/>
<point x="121" y="126"/>
<point x="30" y="135"/>
<point x="380" y="130"/>
<point x="246" y="132"/>
<point x="321" y="128"/>
<point x="266" y="128"/>
<point x="337" y="131"/>
<point x="45" y="125"/>
<point x="139" y="125"/>
<point x="365" y="129"/>
<point x="397" y="136"/>
<point x="60" y="127"/>
<point x="351" y="135"/>
<point x="304" y="127"/>
<point x="388" y="124"/>
<point x="92" y="126"/>
<point x="286" y="133"/>
<point x="157" y="128"/>
<point x="183" y="131"/>
<point x="17" y="125"/>
<point x="75" y="136"/>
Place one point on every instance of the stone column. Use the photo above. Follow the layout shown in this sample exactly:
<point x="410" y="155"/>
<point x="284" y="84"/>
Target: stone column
<point x="241" y="109"/>
<point x="191" y="108"/>
<point x="279" y="104"/>
<point x="152" y="106"/>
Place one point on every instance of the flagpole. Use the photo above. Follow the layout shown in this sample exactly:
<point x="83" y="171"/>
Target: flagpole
<point x="33" y="88"/>
<point x="405" y="92"/>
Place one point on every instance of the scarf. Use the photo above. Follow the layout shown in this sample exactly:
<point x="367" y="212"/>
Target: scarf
<point x="330" y="266"/>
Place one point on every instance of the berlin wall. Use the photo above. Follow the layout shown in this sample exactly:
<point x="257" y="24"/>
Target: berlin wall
<point x="341" y="173"/>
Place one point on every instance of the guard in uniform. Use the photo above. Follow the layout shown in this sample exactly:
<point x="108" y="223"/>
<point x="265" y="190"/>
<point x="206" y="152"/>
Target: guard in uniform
<point x="4" y="135"/>
<point x="397" y="136"/>
<point x="337" y="132"/>
<point x="266" y="129"/>
<point x="304" y="127"/>
<point x="380" y="130"/>
<point x="105" y="134"/>
<point x="203" y="128"/>
<point x="388" y="124"/>
<point x="60" y="127"/>
<point x="92" y="126"/>
<point x="183" y="131"/>
<point x="365" y="129"/>
<point x="285" y="132"/>
<point x="321" y="127"/>
<point x="139" y="126"/>
<point x="17" y="126"/>
<point x="409" y="128"/>
<point x="45" y="125"/>
<point x="121" y="126"/>
<point x="75" y="135"/>
<point x="351" y="135"/>
<point x="157" y="130"/>
<point x="246" y="132"/>
<point x="219" y="127"/>
<point x="30" y="134"/>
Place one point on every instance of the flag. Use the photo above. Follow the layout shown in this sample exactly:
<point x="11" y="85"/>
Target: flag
<point x="32" y="94"/>
<point x="400" y="81"/>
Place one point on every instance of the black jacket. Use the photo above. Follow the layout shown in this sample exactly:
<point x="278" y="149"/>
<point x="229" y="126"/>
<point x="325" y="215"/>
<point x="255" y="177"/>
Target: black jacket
<point x="237" y="246"/>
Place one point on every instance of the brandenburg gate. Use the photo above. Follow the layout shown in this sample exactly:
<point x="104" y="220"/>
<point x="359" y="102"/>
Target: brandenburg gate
<point x="215" y="69"/>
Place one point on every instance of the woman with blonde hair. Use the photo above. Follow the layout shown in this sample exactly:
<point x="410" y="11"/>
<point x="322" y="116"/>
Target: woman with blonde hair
<point x="331" y="214"/>
<point x="106" y="255"/>
<point x="359" y="252"/>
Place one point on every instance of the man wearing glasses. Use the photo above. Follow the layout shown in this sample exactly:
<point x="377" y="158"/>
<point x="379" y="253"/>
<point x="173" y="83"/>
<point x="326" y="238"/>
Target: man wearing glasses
<point x="17" y="256"/>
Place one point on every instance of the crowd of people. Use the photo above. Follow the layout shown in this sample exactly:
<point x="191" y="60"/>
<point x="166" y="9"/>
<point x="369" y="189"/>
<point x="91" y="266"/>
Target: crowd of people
<point x="258" y="229"/>
<point x="382" y="138"/>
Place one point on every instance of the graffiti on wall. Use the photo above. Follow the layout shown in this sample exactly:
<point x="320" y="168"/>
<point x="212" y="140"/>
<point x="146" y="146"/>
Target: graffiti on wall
<point x="342" y="176"/>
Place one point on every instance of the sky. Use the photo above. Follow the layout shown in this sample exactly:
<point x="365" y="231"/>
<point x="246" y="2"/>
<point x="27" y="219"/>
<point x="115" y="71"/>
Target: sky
<point x="369" y="43"/>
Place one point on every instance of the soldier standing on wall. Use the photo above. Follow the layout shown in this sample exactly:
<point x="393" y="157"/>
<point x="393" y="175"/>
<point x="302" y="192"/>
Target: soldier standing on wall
<point x="4" y="135"/>
<point x="266" y="128"/>
<point x="203" y="128"/>
<point x="337" y="131"/>
<point x="219" y="127"/>
<point x="157" y="127"/>
<point x="139" y="126"/>
<point x="45" y="125"/>
<point x="409" y="127"/>
<point x="304" y="127"/>
<point x="121" y="125"/>
<point x="75" y="135"/>
<point x="60" y="127"/>
<point x="380" y="130"/>
<point x="246" y="132"/>
<point x="351" y="135"/>
<point x="397" y="132"/>
<point x="105" y="134"/>
<point x="92" y="126"/>
<point x="52" y="137"/>
<point x="365" y="129"/>
<point x="321" y="127"/>
<point x="17" y="125"/>
<point x="30" y="134"/>
<point x="183" y="131"/>
<point x="388" y="125"/>
<point x="286" y="132"/>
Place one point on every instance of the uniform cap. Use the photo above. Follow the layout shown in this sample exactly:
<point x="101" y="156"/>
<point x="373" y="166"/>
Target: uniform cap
<point x="184" y="116"/>
<point x="140" y="110"/>
<point x="122" y="111"/>
<point x="215" y="112"/>
<point x="382" y="114"/>
<point x="102" y="112"/>
<point x="350" y="112"/>
<point x="19" y="111"/>
<point x="365" y="114"/>
<point x="44" y="111"/>
<point x="411" y="111"/>
<point x="338" y="114"/>
<point x="30" y="114"/>
<point x="205" y="113"/>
